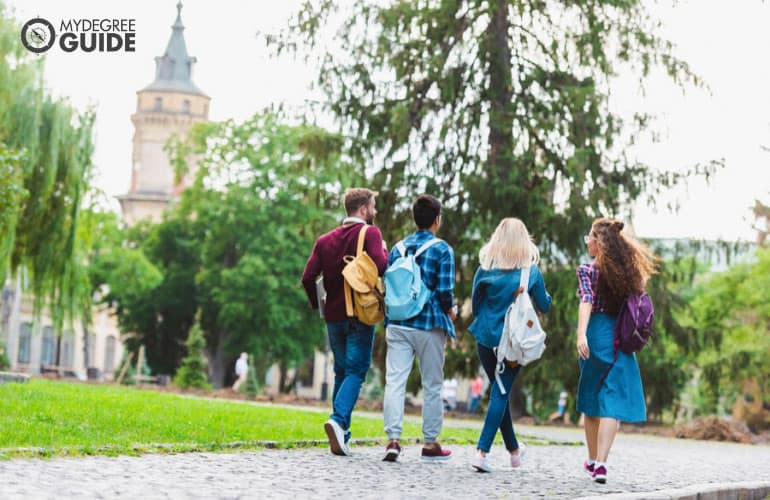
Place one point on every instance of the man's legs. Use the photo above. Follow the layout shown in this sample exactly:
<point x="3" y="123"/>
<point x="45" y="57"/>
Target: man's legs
<point x="429" y="346"/>
<point x="241" y="380"/>
<point x="358" y="342"/>
<point x="398" y="364"/>
<point x="338" y="342"/>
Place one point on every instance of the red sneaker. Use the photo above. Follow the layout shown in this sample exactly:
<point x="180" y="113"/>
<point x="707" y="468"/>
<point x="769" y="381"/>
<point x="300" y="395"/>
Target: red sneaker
<point x="392" y="452"/>
<point x="434" y="453"/>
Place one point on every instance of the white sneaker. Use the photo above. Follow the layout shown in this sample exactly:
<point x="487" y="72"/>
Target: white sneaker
<point x="336" y="438"/>
<point x="516" y="459"/>
<point x="480" y="463"/>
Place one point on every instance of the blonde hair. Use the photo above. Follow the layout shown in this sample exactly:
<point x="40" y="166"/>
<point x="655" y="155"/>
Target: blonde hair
<point x="510" y="247"/>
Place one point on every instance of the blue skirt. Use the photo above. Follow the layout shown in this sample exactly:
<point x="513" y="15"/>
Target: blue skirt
<point x="621" y="395"/>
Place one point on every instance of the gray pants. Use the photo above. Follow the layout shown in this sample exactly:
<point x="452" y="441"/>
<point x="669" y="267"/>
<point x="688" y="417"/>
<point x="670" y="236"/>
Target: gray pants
<point x="403" y="344"/>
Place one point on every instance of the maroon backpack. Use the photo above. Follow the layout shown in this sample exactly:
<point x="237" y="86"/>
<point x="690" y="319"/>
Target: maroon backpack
<point x="633" y="327"/>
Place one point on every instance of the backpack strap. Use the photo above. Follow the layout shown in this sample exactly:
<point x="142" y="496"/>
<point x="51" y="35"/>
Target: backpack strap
<point x="347" y="290"/>
<point x="427" y="245"/>
<point x="361" y="237"/>
<point x="401" y="248"/>
<point x="524" y="279"/>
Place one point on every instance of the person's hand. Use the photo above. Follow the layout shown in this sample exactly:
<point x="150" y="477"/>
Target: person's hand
<point x="453" y="313"/>
<point x="582" y="346"/>
<point x="384" y="245"/>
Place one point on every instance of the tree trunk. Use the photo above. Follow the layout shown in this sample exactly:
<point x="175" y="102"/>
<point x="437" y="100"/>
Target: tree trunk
<point x="283" y="370"/>
<point x="500" y="90"/>
<point x="86" y="339"/>
<point x="5" y="316"/>
<point x="217" y="368"/>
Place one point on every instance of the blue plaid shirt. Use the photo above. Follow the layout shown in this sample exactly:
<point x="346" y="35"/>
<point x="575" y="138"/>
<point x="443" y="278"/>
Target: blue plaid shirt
<point x="437" y="265"/>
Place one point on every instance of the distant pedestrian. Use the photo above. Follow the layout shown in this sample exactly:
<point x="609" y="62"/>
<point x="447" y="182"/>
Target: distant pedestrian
<point x="509" y="253"/>
<point x="608" y="391"/>
<point x="477" y="387"/>
<point x="561" y="409"/>
<point x="351" y="340"/>
<point x="449" y="391"/>
<point x="241" y="371"/>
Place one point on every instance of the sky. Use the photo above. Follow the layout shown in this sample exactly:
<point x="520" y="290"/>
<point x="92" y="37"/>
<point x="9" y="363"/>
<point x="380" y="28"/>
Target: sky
<point x="725" y="43"/>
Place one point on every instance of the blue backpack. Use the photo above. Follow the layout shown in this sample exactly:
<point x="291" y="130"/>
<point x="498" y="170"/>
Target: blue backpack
<point x="405" y="291"/>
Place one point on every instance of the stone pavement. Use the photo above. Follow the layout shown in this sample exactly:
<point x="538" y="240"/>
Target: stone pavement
<point x="638" y="464"/>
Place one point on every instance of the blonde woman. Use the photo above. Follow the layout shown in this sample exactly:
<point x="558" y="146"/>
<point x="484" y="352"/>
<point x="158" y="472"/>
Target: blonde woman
<point x="508" y="251"/>
<point x="608" y="391"/>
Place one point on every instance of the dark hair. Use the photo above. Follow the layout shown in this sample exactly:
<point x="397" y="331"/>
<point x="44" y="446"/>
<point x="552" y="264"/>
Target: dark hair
<point x="356" y="198"/>
<point x="425" y="210"/>
<point x="624" y="263"/>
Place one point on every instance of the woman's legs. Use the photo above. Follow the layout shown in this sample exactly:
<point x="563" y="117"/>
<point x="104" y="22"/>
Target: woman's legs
<point x="592" y="436"/>
<point x="498" y="415"/>
<point x="607" y="429"/>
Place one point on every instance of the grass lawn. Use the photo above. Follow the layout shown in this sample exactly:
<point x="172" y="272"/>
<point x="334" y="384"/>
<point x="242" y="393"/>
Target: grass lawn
<point x="47" y="418"/>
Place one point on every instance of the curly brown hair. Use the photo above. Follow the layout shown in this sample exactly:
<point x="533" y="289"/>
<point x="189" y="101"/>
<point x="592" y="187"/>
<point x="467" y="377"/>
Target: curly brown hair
<point x="624" y="263"/>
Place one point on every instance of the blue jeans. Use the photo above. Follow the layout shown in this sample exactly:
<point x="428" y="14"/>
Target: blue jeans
<point x="498" y="414"/>
<point x="351" y="342"/>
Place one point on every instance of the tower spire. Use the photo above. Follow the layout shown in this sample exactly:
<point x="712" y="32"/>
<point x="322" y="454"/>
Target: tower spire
<point x="173" y="70"/>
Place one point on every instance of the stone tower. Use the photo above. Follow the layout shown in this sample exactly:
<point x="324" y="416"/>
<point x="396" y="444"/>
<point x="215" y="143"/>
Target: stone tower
<point x="170" y="105"/>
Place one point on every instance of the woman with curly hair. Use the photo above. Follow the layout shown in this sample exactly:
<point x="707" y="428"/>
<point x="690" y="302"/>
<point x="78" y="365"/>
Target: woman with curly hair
<point x="608" y="393"/>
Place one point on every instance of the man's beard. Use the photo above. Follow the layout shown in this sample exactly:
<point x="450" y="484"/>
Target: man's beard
<point x="369" y="218"/>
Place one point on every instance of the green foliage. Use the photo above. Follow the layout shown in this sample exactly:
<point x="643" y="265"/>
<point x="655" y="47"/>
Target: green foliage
<point x="730" y="312"/>
<point x="152" y="286"/>
<point x="261" y="187"/>
<point x="4" y="362"/>
<point x="79" y="419"/>
<point x="252" y="385"/>
<point x="45" y="160"/>
<point x="192" y="373"/>
<point x="499" y="108"/>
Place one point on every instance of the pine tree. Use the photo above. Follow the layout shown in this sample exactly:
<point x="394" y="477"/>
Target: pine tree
<point x="192" y="373"/>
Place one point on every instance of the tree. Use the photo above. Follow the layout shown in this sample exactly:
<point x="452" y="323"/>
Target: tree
<point x="500" y="108"/>
<point x="119" y="275"/>
<point x="263" y="192"/>
<point x="192" y="373"/>
<point x="731" y="315"/>
<point x="45" y="158"/>
<point x="156" y="297"/>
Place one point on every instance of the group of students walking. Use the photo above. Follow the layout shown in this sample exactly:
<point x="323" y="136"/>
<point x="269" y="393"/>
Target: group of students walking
<point x="620" y="267"/>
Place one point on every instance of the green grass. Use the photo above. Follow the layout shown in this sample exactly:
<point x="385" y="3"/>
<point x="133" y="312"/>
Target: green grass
<point x="45" y="418"/>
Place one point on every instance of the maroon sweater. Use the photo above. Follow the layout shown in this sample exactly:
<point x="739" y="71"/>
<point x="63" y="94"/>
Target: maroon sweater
<point x="326" y="259"/>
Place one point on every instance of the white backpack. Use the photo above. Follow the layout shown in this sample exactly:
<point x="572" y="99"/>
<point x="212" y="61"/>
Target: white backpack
<point x="523" y="339"/>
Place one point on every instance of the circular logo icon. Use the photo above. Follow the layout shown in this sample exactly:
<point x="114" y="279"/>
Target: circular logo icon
<point x="37" y="35"/>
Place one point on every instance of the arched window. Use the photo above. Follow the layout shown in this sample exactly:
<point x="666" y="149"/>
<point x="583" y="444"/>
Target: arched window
<point x="186" y="106"/>
<point x="158" y="104"/>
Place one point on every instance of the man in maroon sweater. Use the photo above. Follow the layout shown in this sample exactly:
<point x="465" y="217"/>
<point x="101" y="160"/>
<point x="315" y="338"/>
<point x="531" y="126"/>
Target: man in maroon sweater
<point x="351" y="341"/>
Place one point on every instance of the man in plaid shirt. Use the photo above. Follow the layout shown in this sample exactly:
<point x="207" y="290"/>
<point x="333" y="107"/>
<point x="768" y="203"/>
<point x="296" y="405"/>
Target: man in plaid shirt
<point x="424" y="335"/>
